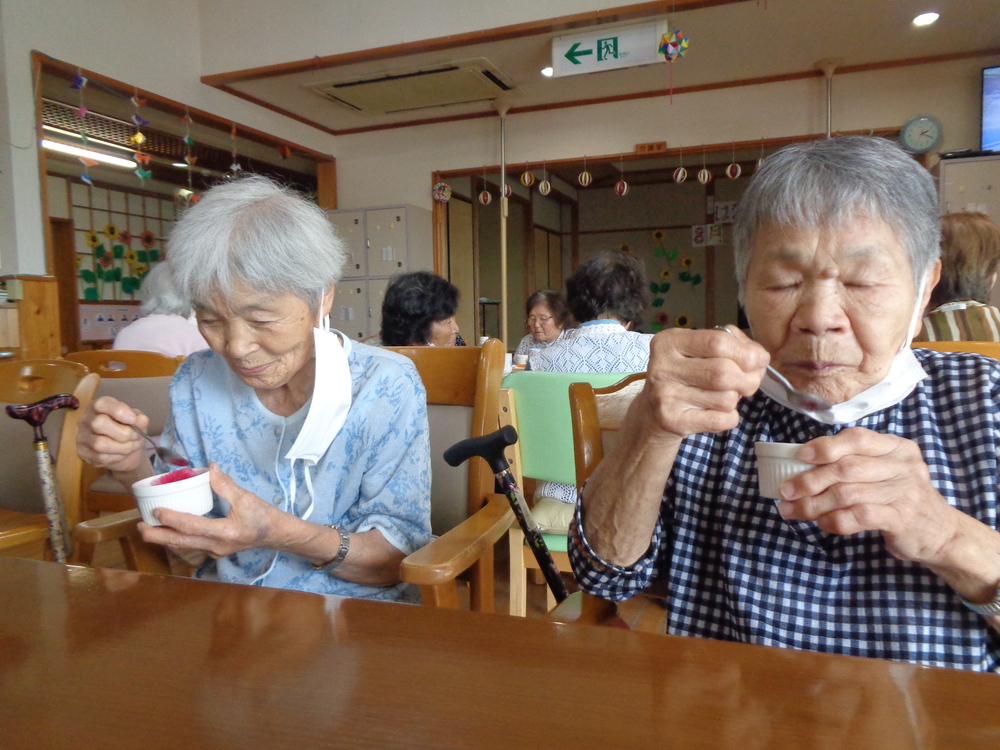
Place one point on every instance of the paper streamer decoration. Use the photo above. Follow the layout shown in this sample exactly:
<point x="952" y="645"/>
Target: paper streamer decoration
<point x="673" y="44"/>
<point x="680" y="174"/>
<point x="527" y="179"/>
<point x="621" y="188"/>
<point x="441" y="192"/>
<point x="485" y="197"/>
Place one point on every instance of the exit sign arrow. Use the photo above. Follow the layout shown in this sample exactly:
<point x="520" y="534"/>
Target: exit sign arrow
<point x="573" y="55"/>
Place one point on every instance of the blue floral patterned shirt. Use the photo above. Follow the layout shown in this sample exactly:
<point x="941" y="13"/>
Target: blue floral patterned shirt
<point x="375" y="474"/>
<point x="736" y="570"/>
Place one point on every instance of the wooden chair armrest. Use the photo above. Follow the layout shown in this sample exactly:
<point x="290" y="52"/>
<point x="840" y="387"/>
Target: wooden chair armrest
<point x="452" y="553"/>
<point x="581" y="608"/>
<point x="106" y="528"/>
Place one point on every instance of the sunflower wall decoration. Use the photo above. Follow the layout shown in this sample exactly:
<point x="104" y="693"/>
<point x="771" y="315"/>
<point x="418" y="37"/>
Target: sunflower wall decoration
<point x="117" y="271"/>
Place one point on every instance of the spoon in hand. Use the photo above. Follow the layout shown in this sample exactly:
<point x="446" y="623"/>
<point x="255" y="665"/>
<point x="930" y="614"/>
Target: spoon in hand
<point x="165" y="454"/>
<point x="801" y="399"/>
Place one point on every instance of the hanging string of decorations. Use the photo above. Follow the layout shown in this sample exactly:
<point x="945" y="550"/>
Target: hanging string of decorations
<point x="138" y="138"/>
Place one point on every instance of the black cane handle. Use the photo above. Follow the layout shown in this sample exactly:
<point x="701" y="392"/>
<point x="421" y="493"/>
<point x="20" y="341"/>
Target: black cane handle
<point x="489" y="447"/>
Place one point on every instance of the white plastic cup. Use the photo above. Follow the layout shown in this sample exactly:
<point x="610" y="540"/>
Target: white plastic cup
<point x="521" y="359"/>
<point x="483" y="340"/>
<point x="192" y="495"/>
<point x="508" y="362"/>
<point x="776" y="464"/>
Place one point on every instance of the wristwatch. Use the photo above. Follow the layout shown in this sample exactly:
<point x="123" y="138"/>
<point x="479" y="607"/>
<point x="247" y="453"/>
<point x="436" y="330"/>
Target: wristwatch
<point x="987" y="610"/>
<point x="345" y="543"/>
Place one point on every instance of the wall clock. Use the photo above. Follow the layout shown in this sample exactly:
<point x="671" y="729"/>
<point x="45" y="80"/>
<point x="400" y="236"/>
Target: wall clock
<point x="921" y="133"/>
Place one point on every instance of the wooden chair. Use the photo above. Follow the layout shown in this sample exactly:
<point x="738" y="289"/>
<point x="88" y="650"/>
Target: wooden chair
<point x="986" y="348"/>
<point x="537" y="404"/>
<point x="22" y="510"/>
<point x="139" y="379"/>
<point x="463" y="396"/>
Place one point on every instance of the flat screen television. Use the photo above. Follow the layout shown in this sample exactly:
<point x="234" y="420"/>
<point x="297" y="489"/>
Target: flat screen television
<point x="990" y="140"/>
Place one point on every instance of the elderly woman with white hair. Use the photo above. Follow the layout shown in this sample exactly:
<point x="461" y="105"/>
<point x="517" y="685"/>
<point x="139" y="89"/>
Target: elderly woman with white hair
<point x="164" y="327"/>
<point x="318" y="445"/>
<point x="888" y="545"/>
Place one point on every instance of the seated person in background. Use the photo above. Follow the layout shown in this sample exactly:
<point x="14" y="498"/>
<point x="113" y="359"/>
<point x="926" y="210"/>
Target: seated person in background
<point x="606" y="295"/>
<point x="547" y="316"/>
<point x="419" y="310"/>
<point x="970" y="255"/>
<point x="164" y="327"/>
<point x="318" y="445"/>
<point x="888" y="547"/>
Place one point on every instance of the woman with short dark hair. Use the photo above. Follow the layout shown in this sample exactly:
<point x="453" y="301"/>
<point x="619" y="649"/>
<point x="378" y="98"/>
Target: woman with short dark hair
<point x="546" y="316"/>
<point x="419" y="310"/>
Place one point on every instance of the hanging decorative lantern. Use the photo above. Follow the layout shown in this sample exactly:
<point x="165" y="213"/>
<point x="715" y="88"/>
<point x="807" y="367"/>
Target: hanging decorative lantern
<point x="585" y="178"/>
<point x="733" y="171"/>
<point x="527" y="179"/>
<point x="485" y="197"/>
<point x="621" y="187"/>
<point x="680" y="174"/>
<point x="704" y="176"/>
<point x="544" y="187"/>
<point x="441" y="192"/>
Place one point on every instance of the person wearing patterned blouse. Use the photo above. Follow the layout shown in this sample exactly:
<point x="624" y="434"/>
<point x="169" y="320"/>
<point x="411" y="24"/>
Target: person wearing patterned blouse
<point x="546" y="316"/>
<point x="317" y="445"/>
<point x="970" y="258"/>
<point x="888" y="546"/>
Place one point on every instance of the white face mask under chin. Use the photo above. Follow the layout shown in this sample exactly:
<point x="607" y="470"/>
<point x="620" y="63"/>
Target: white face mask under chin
<point x="898" y="383"/>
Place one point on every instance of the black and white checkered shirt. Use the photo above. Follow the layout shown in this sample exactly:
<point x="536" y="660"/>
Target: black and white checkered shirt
<point x="738" y="571"/>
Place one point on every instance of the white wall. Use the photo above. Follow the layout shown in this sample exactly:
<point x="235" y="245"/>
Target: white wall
<point x="395" y="165"/>
<point x="153" y="44"/>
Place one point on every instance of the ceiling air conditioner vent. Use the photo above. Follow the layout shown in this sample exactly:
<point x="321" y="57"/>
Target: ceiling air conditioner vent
<point x="407" y="90"/>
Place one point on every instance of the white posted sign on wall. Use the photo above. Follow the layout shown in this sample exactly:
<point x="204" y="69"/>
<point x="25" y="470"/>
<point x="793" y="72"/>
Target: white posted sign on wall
<point x="608" y="48"/>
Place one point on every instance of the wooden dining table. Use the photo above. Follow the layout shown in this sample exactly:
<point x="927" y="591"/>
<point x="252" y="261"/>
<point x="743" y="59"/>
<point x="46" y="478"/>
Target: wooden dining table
<point x="97" y="658"/>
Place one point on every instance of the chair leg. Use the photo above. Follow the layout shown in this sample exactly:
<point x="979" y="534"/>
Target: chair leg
<point x="444" y="596"/>
<point x="482" y="597"/>
<point x="518" y="573"/>
<point x="550" y="599"/>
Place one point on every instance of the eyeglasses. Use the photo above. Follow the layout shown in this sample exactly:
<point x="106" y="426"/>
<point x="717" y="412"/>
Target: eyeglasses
<point x="542" y="319"/>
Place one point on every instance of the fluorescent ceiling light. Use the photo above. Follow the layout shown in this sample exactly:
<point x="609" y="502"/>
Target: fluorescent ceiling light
<point x="181" y="164"/>
<point x="547" y="72"/>
<point x="925" y="19"/>
<point x="90" y="140"/>
<point x="65" y="148"/>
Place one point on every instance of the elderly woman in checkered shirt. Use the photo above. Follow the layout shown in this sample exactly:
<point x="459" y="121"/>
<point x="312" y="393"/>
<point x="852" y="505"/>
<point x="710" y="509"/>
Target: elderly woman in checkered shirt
<point x="888" y="547"/>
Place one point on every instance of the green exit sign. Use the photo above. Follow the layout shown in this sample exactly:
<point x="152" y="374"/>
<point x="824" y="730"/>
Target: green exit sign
<point x="608" y="49"/>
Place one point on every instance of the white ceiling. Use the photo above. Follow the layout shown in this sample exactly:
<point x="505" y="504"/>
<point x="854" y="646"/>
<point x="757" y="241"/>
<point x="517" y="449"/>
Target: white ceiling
<point x="733" y="42"/>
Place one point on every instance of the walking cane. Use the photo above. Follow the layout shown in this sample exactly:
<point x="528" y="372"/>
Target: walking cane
<point x="35" y="414"/>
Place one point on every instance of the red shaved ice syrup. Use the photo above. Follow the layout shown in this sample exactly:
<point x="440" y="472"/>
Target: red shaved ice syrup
<point x="176" y="476"/>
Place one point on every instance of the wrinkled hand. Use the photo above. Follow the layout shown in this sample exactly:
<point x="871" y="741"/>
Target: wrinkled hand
<point x="696" y="379"/>
<point x="250" y="523"/>
<point x="867" y="480"/>
<point x="106" y="439"/>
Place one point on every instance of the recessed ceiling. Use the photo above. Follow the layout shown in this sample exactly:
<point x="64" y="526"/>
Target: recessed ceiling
<point x="730" y="42"/>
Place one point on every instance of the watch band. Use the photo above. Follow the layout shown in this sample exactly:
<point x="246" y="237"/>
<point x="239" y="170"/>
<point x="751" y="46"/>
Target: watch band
<point x="987" y="610"/>
<point x="345" y="543"/>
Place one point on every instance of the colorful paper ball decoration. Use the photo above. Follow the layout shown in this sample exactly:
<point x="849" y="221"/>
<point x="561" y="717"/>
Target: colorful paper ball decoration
<point x="680" y="174"/>
<point x="485" y="197"/>
<point x="441" y="192"/>
<point x="621" y="187"/>
<point x="585" y="178"/>
<point x="527" y="179"/>
<point x="674" y="44"/>
<point x="507" y="190"/>
<point x="544" y="187"/>
<point x="704" y="176"/>
<point x="733" y="171"/>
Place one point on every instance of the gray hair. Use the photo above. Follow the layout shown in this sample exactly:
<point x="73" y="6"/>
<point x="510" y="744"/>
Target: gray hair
<point x="159" y="295"/>
<point x="258" y="234"/>
<point x="831" y="182"/>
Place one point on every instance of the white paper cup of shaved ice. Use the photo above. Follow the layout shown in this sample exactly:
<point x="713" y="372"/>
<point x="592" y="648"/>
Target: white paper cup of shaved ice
<point x="186" y="490"/>
<point x="776" y="464"/>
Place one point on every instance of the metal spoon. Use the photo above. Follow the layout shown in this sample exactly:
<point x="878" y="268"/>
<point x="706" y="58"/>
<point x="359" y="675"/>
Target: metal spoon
<point x="165" y="454"/>
<point x="801" y="399"/>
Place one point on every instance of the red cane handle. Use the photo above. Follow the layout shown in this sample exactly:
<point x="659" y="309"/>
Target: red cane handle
<point x="35" y="414"/>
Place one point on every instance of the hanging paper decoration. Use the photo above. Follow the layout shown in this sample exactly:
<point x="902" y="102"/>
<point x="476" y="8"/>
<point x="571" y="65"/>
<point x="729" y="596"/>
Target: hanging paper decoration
<point x="507" y="190"/>
<point x="621" y="188"/>
<point x="585" y="178"/>
<point x="235" y="168"/>
<point x="527" y="179"/>
<point x="79" y="83"/>
<point x="680" y="174"/>
<point x="441" y="192"/>
<point x="137" y="139"/>
<point x="733" y="171"/>
<point x="485" y="197"/>
<point x="284" y="152"/>
<point x="704" y="176"/>
<point x="189" y="159"/>
<point x="81" y="112"/>
<point x="673" y="44"/>
<point x="544" y="187"/>
<point x="760" y="159"/>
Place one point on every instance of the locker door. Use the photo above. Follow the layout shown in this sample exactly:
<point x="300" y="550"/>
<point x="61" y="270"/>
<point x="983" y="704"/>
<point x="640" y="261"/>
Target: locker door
<point x="376" y="293"/>
<point x="350" y="227"/>
<point x="386" y="241"/>
<point x="350" y="309"/>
